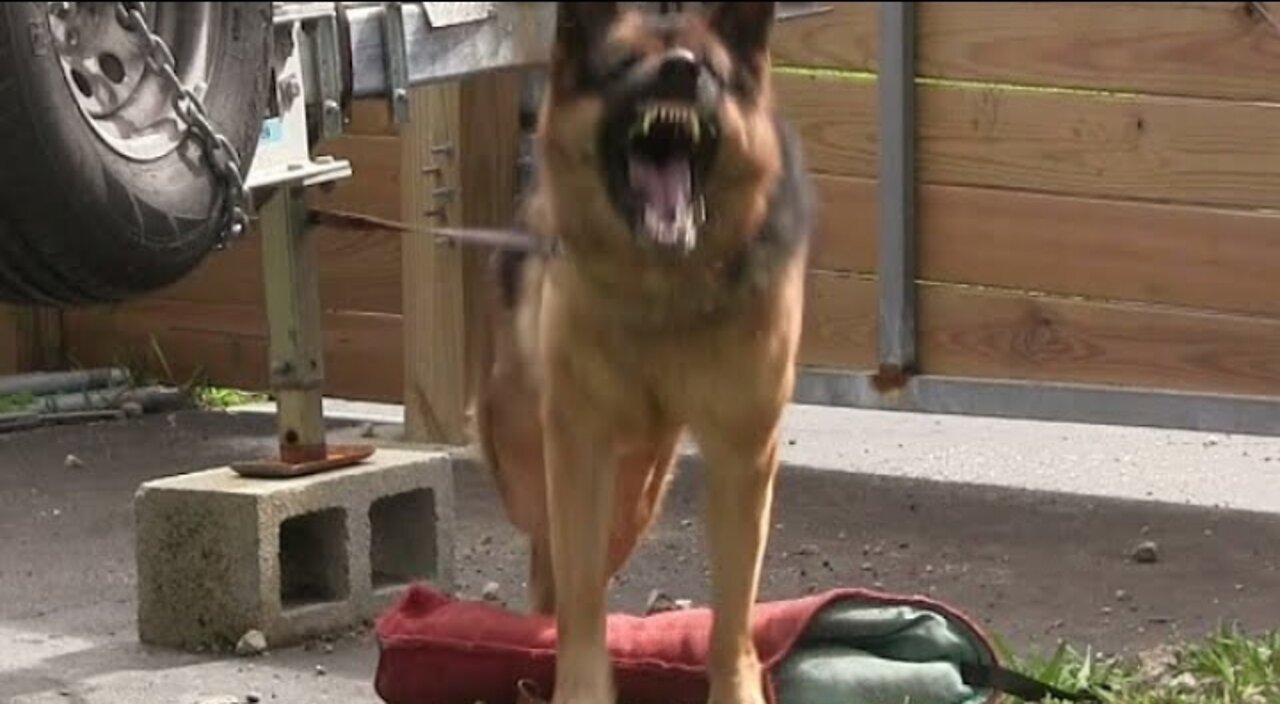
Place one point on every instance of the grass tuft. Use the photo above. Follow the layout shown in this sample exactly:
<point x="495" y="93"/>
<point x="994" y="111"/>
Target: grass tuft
<point x="221" y="397"/>
<point x="1228" y="667"/>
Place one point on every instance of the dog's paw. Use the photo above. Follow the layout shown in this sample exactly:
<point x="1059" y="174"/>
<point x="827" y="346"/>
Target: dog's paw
<point x="740" y="684"/>
<point x="738" y="695"/>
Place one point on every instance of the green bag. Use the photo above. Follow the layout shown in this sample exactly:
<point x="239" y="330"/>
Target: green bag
<point x="868" y="648"/>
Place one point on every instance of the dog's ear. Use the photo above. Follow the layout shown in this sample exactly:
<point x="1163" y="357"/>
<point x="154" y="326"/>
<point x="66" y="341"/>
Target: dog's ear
<point x="744" y="27"/>
<point x="579" y="25"/>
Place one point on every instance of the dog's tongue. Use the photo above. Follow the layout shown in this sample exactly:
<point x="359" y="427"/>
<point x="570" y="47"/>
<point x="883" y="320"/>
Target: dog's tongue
<point x="665" y="191"/>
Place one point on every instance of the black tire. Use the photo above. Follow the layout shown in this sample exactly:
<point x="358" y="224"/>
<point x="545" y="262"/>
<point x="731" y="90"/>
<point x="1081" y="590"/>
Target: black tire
<point x="82" y="224"/>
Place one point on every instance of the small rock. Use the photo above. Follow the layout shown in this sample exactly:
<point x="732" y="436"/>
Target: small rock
<point x="253" y="697"/>
<point x="686" y="523"/>
<point x="1106" y="611"/>
<point x="132" y="409"/>
<point x="368" y="430"/>
<point x="490" y="591"/>
<point x="73" y="462"/>
<point x="658" y="602"/>
<point x="64" y="692"/>
<point x="867" y="567"/>
<point x="1123" y="596"/>
<point x="320" y="671"/>
<point x="1239" y="587"/>
<point x="807" y="550"/>
<point x="1145" y="530"/>
<point x="928" y="569"/>
<point x="841" y="535"/>
<point x="328" y="648"/>
<point x="251" y="643"/>
<point x="1146" y="553"/>
<point x="486" y="539"/>
<point x="684" y="604"/>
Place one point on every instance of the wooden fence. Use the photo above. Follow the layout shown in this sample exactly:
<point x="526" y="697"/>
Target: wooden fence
<point x="1097" y="190"/>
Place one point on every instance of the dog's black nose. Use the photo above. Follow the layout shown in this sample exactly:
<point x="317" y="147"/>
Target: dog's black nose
<point x="678" y="75"/>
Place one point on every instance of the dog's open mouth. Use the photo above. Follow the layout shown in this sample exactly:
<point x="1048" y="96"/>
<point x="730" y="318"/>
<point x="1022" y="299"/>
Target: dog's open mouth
<point x="668" y="147"/>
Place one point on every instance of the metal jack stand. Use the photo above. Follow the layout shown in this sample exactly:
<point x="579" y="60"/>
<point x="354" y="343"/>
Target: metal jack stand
<point x="281" y="172"/>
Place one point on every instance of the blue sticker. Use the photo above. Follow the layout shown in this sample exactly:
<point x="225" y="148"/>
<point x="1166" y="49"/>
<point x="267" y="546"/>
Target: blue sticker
<point x="272" y="130"/>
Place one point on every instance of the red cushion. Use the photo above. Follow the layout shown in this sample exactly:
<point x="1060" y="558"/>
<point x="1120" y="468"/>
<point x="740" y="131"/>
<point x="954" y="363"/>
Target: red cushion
<point x="439" y="650"/>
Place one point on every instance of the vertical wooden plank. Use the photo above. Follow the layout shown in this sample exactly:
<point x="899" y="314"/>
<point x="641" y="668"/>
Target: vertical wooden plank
<point x="30" y="339"/>
<point x="432" y="280"/>
<point x="10" y="340"/>
<point x="42" y="328"/>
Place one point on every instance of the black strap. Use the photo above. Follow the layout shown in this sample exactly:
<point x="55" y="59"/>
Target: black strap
<point x="1019" y="685"/>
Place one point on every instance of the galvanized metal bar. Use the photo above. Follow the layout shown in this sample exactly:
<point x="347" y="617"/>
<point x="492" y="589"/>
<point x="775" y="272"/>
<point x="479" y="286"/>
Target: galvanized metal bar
<point x="513" y="35"/>
<point x="291" y="275"/>
<point x="1074" y="403"/>
<point x="330" y="75"/>
<point x="897" y="251"/>
<point x="397" y="66"/>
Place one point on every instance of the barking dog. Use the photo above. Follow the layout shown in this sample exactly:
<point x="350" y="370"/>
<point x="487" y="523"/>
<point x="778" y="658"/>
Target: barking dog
<point x="672" y="302"/>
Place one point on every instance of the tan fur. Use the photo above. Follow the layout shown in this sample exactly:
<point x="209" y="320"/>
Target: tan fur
<point x="612" y="354"/>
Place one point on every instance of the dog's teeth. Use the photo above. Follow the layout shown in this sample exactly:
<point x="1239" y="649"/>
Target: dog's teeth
<point x="646" y="121"/>
<point x="695" y="131"/>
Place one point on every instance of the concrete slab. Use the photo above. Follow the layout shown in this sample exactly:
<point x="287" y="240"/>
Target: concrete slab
<point x="1183" y="467"/>
<point x="219" y="554"/>
<point x="1033" y="566"/>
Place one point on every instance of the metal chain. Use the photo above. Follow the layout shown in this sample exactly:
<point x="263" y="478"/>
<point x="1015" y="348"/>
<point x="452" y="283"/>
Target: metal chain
<point x="1261" y="10"/>
<point x="220" y="154"/>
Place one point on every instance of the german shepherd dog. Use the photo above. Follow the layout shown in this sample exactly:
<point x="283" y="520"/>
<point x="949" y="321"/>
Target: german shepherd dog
<point x="671" y="303"/>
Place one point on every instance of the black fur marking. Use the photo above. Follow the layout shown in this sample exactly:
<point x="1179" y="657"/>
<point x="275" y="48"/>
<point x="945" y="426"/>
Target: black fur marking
<point x="793" y="207"/>
<point x="790" y="220"/>
<point x="509" y="266"/>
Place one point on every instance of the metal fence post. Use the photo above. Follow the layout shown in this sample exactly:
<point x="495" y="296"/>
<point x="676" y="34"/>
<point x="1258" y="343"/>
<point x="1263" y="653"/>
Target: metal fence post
<point x="897" y="271"/>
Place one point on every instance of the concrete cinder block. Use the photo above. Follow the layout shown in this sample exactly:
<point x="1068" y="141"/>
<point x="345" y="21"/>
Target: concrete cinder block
<point x="218" y="554"/>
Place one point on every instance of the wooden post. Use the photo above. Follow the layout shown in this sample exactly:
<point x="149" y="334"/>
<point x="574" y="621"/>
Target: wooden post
<point x="490" y="110"/>
<point x="459" y="168"/>
<point x="291" y="277"/>
<point x="434" y="342"/>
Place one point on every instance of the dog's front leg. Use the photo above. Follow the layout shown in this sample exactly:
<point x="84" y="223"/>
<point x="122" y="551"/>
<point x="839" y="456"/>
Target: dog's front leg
<point x="740" y="470"/>
<point x="580" y="478"/>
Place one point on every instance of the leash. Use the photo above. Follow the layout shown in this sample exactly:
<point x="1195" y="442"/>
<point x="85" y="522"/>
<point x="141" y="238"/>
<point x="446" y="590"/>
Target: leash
<point x="1019" y="685"/>
<point x="509" y="238"/>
